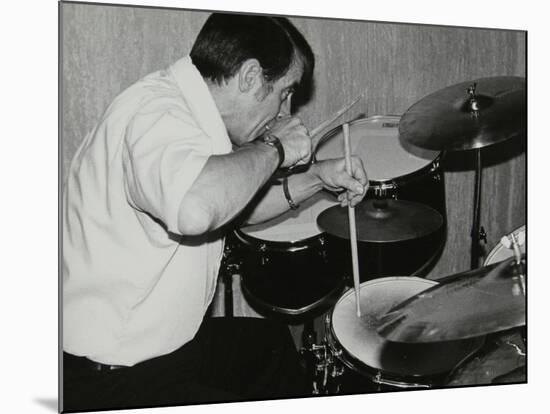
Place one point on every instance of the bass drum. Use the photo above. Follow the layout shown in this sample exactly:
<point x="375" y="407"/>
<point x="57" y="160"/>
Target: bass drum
<point x="371" y="363"/>
<point x="501" y="252"/>
<point x="284" y="267"/>
<point x="395" y="171"/>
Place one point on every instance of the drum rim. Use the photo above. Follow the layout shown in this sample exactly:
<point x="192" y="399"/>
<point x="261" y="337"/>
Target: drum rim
<point x="384" y="279"/>
<point x="399" y="180"/>
<point x="499" y="246"/>
<point x="279" y="246"/>
<point x="378" y="374"/>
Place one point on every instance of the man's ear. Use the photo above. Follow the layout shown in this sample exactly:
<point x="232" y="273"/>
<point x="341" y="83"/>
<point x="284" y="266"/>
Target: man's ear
<point x="250" y="75"/>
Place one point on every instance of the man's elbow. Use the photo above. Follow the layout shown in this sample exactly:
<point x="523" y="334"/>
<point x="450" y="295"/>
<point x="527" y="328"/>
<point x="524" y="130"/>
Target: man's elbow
<point x="195" y="218"/>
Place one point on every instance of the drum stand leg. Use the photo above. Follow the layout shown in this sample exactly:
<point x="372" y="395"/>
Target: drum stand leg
<point x="228" y="294"/>
<point x="478" y="232"/>
<point x="309" y="339"/>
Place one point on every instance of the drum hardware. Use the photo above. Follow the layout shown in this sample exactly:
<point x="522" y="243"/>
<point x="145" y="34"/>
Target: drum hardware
<point x="383" y="221"/>
<point x="465" y="305"/>
<point x="502" y="250"/>
<point x="323" y="242"/>
<point x="514" y="242"/>
<point x="230" y="266"/>
<point x="473" y="102"/>
<point x="383" y="190"/>
<point x="492" y="110"/>
<point x="326" y="369"/>
<point x="478" y="232"/>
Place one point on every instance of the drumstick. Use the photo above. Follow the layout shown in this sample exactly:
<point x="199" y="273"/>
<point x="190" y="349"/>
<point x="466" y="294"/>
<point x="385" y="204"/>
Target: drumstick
<point x="324" y="124"/>
<point x="352" y="227"/>
<point x="314" y="133"/>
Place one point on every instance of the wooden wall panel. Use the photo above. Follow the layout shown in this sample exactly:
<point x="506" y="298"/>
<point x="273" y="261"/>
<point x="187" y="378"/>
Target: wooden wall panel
<point x="106" y="48"/>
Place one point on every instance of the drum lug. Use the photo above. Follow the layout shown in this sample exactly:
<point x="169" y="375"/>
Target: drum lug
<point x="382" y="190"/>
<point x="337" y="371"/>
<point x="323" y="251"/>
<point x="263" y="248"/>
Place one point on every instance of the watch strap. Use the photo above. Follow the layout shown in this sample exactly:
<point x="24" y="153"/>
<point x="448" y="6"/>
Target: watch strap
<point x="274" y="141"/>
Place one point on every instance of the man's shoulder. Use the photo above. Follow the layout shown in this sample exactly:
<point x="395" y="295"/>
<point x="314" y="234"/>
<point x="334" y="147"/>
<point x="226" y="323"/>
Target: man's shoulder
<point x="157" y="92"/>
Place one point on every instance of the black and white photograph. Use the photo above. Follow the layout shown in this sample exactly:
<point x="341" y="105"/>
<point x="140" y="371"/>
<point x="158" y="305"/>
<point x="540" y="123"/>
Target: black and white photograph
<point x="275" y="207"/>
<point x="261" y="207"/>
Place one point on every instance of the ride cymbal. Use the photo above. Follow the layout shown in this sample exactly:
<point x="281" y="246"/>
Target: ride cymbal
<point x="469" y="304"/>
<point x="382" y="221"/>
<point x="468" y="115"/>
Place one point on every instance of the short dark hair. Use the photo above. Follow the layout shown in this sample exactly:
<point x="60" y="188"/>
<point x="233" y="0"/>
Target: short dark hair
<point x="227" y="40"/>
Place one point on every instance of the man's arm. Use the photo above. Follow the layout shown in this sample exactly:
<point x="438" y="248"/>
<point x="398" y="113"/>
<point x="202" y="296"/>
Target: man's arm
<point x="226" y="184"/>
<point x="328" y="174"/>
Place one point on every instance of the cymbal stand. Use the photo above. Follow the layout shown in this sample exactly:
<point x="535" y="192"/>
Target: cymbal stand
<point x="478" y="232"/>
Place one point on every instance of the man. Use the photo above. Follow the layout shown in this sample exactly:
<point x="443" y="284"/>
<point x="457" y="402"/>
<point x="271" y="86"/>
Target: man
<point x="176" y="158"/>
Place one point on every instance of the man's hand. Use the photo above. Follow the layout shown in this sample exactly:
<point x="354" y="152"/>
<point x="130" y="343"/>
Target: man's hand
<point x="334" y="177"/>
<point x="294" y="137"/>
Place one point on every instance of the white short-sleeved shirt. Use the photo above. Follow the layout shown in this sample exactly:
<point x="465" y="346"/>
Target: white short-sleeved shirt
<point x="134" y="289"/>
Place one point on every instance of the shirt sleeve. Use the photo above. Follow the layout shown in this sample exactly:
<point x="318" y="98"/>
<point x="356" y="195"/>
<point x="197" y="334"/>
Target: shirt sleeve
<point x="164" y="154"/>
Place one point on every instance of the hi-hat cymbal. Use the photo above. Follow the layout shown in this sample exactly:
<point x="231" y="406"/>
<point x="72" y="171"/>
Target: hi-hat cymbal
<point x="382" y="221"/>
<point x="469" y="304"/>
<point x="468" y="115"/>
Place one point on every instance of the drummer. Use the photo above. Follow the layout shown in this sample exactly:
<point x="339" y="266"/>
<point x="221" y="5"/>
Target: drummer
<point x="176" y="159"/>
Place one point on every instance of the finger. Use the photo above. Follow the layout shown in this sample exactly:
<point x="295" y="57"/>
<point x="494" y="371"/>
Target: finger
<point x="341" y="197"/>
<point x="352" y="186"/>
<point x="358" y="171"/>
<point x="356" y="200"/>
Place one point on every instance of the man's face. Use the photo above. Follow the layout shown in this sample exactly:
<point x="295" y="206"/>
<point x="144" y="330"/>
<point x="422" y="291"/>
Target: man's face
<point x="262" y="105"/>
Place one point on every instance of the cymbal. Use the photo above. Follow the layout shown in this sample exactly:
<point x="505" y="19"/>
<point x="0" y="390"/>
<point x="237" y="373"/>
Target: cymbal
<point x="382" y="221"/>
<point x="469" y="304"/>
<point x="468" y="115"/>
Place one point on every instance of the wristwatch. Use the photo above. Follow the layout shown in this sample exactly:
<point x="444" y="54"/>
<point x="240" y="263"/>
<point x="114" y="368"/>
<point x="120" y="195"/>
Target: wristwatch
<point x="273" y="141"/>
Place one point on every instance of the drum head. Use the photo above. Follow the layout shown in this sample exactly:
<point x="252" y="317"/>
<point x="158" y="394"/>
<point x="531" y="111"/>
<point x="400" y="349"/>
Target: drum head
<point x="376" y="141"/>
<point x="294" y="225"/>
<point x="365" y="347"/>
<point x="500" y="252"/>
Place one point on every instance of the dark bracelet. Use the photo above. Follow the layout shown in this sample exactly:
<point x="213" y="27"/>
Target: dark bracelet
<point x="289" y="199"/>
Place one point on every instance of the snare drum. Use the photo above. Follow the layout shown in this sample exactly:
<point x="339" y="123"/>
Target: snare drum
<point x="500" y="252"/>
<point x="284" y="266"/>
<point x="388" y="365"/>
<point x="398" y="173"/>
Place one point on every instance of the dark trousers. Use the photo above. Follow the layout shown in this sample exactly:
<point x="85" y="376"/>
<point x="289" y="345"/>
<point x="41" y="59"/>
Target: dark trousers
<point x="230" y="359"/>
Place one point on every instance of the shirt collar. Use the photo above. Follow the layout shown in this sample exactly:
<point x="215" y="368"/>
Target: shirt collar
<point x="199" y="100"/>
